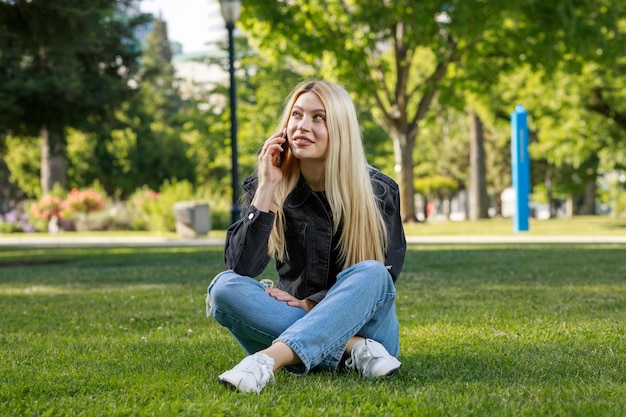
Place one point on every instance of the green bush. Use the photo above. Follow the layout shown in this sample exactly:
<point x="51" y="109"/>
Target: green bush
<point x="220" y="215"/>
<point x="145" y="209"/>
<point x="72" y="210"/>
<point x="9" y="227"/>
<point x="138" y="206"/>
<point x="220" y="206"/>
<point x="620" y="204"/>
<point x="117" y="216"/>
<point x="151" y="210"/>
<point x="156" y="207"/>
<point x="436" y="186"/>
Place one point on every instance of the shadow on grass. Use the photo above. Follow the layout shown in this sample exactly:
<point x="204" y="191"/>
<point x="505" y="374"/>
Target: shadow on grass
<point x="90" y="266"/>
<point x="435" y="265"/>
<point x="539" y="364"/>
<point x="26" y="263"/>
<point x="615" y="226"/>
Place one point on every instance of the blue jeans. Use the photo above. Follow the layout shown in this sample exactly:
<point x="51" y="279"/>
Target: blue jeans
<point x="361" y="303"/>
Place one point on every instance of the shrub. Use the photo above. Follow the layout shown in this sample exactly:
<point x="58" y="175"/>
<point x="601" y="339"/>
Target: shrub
<point x="137" y="208"/>
<point x="46" y="208"/>
<point x="220" y="206"/>
<point x="145" y="209"/>
<point x="436" y="186"/>
<point x="114" y="217"/>
<point x="15" y="221"/>
<point x="620" y="204"/>
<point x="157" y="207"/>
<point x="162" y="215"/>
<point x="68" y="209"/>
<point x="82" y="201"/>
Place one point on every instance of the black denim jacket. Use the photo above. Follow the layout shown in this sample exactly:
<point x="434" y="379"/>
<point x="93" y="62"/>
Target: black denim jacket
<point x="310" y="269"/>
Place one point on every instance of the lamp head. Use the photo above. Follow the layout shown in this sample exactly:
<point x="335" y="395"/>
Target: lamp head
<point x="230" y="10"/>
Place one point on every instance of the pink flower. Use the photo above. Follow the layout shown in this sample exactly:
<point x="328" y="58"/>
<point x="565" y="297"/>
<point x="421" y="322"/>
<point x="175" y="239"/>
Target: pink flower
<point x="46" y="208"/>
<point x="85" y="201"/>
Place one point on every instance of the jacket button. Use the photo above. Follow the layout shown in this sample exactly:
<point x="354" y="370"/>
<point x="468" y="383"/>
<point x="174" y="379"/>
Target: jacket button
<point x="250" y="216"/>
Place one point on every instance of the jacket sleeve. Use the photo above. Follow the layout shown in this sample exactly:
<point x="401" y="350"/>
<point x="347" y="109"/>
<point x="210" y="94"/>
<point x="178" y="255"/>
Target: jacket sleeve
<point x="396" y="250"/>
<point x="245" y="250"/>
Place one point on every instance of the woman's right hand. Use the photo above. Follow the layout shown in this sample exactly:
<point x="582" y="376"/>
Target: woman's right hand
<point x="268" y="170"/>
<point x="269" y="174"/>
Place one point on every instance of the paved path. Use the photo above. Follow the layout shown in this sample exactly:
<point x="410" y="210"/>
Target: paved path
<point x="516" y="239"/>
<point x="68" y="240"/>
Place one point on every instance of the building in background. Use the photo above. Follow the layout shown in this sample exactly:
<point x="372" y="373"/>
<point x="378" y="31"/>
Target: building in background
<point x="199" y="71"/>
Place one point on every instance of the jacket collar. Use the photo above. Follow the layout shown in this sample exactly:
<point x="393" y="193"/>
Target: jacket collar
<point x="300" y="194"/>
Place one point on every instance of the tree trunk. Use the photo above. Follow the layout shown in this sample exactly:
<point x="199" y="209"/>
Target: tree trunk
<point x="499" y="204"/>
<point x="569" y="206"/>
<point x="589" y="204"/>
<point x="5" y="187"/>
<point x="403" y="153"/>
<point x="479" y="202"/>
<point x="446" y="207"/>
<point x="53" y="159"/>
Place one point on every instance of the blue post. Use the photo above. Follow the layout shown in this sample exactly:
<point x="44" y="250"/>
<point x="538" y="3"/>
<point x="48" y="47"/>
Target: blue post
<point x="520" y="167"/>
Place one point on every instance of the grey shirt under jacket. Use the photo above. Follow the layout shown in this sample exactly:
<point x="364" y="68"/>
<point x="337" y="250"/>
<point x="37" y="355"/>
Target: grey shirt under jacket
<point x="312" y="265"/>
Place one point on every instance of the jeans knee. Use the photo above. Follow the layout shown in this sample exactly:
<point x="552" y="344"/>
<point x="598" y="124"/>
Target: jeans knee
<point x="377" y="269"/>
<point x="373" y="274"/>
<point x="219" y="290"/>
<point x="380" y="275"/>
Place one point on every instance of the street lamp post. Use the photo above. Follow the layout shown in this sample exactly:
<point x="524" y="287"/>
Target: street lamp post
<point x="230" y="11"/>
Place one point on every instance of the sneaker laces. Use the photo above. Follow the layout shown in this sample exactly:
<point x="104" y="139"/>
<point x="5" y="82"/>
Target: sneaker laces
<point x="267" y="283"/>
<point x="259" y="366"/>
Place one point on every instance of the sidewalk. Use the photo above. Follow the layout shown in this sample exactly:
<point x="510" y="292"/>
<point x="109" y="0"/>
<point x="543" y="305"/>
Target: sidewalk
<point x="515" y="239"/>
<point x="68" y="240"/>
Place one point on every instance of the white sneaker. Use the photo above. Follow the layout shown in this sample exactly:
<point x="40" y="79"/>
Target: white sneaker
<point x="372" y="360"/>
<point x="251" y="374"/>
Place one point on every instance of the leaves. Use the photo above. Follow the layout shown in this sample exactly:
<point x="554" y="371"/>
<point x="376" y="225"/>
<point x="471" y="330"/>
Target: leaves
<point x="66" y="71"/>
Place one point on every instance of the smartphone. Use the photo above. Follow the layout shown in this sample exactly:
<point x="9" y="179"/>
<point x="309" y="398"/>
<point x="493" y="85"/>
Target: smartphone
<point x="279" y="157"/>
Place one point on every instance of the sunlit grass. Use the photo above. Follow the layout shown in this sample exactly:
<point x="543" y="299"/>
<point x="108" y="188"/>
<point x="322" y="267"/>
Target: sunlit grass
<point x="486" y="330"/>
<point x="109" y="234"/>
<point x="576" y="226"/>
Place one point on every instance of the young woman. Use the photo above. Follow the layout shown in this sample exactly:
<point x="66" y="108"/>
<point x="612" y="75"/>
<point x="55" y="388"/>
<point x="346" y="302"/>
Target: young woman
<point x="333" y="226"/>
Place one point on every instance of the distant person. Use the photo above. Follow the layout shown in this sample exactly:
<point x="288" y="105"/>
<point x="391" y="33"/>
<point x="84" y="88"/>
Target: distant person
<point x="332" y="223"/>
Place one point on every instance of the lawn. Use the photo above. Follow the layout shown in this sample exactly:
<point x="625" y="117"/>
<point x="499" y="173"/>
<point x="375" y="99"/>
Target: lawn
<point x="529" y="329"/>
<point x="575" y="226"/>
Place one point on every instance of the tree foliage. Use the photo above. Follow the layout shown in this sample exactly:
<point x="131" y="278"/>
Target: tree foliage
<point x="396" y="56"/>
<point x="62" y="63"/>
<point x="413" y="69"/>
<point x="141" y="145"/>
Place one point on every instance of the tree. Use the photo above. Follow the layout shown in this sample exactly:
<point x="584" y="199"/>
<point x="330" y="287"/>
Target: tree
<point x="63" y="63"/>
<point x="570" y="145"/>
<point x="142" y="145"/>
<point x="376" y="49"/>
<point x="395" y="56"/>
<point x="479" y="202"/>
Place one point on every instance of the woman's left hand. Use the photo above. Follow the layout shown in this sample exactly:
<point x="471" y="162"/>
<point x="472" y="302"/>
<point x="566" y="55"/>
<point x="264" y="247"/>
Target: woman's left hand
<point x="281" y="295"/>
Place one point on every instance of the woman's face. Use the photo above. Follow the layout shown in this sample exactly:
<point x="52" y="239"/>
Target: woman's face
<point x="306" y="128"/>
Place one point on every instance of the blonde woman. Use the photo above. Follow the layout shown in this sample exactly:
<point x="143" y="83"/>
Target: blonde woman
<point x="332" y="224"/>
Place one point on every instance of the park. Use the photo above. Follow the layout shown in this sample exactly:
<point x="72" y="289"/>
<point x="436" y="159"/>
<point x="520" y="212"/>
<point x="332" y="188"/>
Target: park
<point x="486" y="329"/>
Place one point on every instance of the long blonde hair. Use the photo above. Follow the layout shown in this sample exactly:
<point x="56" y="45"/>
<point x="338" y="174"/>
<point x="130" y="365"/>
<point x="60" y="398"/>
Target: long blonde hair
<point x="347" y="182"/>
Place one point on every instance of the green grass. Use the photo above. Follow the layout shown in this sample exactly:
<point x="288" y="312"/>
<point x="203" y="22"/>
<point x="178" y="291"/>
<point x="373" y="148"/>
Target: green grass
<point x="502" y="330"/>
<point x="105" y="234"/>
<point x="575" y="226"/>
